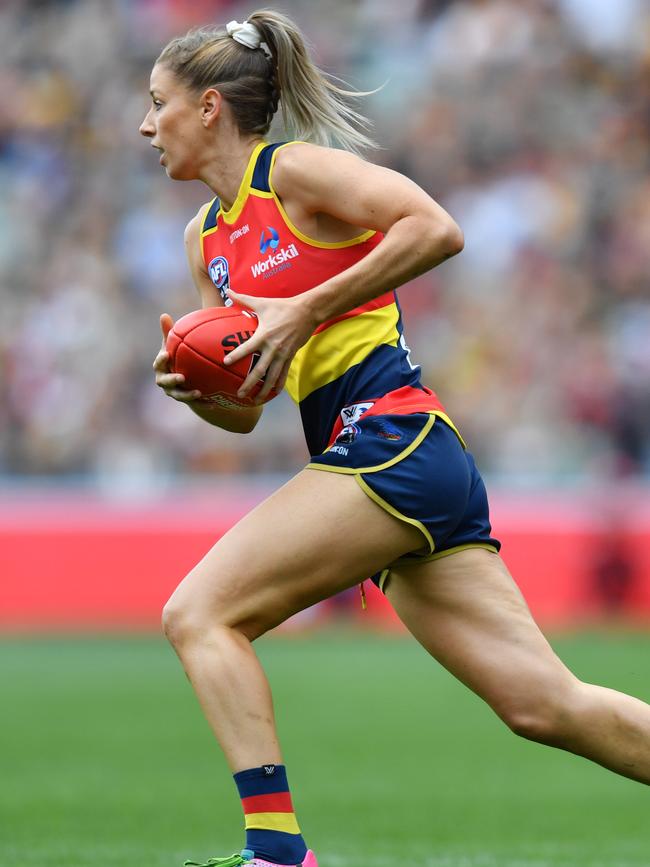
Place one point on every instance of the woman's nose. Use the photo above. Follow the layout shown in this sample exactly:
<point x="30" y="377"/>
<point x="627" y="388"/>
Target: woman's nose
<point x="146" y="127"/>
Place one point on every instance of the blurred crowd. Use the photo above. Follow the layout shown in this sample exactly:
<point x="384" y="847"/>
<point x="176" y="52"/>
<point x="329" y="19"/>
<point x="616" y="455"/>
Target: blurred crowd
<point x="529" y="120"/>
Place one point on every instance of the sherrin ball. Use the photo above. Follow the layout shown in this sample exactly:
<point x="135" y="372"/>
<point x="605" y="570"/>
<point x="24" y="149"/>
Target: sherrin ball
<point x="199" y="343"/>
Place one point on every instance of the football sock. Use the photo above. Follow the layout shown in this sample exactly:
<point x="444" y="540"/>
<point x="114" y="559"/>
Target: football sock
<point x="272" y="831"/>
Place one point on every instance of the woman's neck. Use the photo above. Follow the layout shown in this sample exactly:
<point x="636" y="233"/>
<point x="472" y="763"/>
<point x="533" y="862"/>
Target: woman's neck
<point x="225" y="169"/>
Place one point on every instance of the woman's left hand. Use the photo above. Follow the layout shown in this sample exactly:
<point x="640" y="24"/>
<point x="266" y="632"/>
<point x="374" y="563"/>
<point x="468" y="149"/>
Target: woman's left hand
<point x="285" y="324"/>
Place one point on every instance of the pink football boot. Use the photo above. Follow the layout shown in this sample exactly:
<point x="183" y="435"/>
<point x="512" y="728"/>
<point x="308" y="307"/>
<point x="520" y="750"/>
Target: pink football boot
<point x="308" y="861"/>
<point x="248" y="859"/>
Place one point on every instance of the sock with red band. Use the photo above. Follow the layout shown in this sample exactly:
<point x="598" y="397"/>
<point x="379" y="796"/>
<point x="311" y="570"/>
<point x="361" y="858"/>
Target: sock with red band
<point x="272" y="831"/>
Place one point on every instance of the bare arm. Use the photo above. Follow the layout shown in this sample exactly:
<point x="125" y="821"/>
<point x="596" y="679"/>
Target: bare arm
<point x="419" y="233"/>
<point x="312" y="181"/>
<point x="238" y="421"/>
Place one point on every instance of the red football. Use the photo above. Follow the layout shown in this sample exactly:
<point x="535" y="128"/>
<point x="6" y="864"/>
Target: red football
<point x="197" y="346"/>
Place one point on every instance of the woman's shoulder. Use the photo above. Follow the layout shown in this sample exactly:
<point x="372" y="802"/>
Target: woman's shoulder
<point x="303" y="166"/>
<point x="294" y="158"/>
<point x="195" y="225"/>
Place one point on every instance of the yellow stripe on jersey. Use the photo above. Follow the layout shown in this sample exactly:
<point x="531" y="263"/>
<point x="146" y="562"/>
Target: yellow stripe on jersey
<point x="286" y="822"/>
<point x="230" y="216"/>
<point x="324" y="245"/>
<point x="327" y="355"/>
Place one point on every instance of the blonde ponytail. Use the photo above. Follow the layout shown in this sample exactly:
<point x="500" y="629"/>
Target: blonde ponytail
<point x="313" y="107"/>
<point x="255" y="81"/>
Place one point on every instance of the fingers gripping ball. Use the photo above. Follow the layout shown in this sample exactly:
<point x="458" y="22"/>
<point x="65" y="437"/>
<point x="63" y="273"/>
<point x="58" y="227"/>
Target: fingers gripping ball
<point x="197" y="346"/>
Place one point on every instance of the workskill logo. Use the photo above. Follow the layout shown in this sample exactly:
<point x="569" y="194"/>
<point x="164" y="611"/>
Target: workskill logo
<point x="270" y="240"/>
<point x="277" y="259"/>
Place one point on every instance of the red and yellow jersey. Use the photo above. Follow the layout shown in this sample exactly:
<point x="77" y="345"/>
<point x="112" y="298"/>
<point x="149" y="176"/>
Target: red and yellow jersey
<point x="355" y="363"/>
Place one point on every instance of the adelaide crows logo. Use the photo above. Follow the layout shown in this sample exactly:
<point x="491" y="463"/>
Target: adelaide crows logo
<point x="220" y="276"/>
<point x="349" y="433"/>
<point x="271" y="240"/>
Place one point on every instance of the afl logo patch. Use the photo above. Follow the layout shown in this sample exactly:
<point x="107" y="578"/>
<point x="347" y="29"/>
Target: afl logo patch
<point x="220" y="276"/>
<point x="218" y="271"/>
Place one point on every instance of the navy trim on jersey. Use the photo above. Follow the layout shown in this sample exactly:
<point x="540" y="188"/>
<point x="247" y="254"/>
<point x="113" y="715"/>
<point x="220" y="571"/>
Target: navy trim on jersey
<point x="260" y="180"/>
<point x="211" y="217"/>
<point x="384" y="369"/>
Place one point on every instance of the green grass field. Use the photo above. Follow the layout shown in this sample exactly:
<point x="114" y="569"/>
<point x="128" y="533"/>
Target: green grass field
<point x="106" y="760"/>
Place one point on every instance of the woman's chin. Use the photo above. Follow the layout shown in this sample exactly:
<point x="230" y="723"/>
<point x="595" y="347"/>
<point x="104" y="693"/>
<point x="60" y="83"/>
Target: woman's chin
<point x="177" y="173"/>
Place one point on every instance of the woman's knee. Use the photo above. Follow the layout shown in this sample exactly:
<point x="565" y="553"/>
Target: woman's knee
<point x="188" y="619"/>
<point x="177" y="622"/>
<point x="544" y="712"/>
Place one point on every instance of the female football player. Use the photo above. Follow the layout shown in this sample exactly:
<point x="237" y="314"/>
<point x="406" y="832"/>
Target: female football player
<point x="314" y="240"/>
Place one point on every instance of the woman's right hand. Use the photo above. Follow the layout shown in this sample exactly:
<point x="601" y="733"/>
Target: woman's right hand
<point x="171" y="383"/>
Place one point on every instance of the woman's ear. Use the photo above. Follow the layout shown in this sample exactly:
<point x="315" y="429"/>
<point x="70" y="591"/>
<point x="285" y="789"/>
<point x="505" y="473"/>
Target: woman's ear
<point x="211" y="101"/>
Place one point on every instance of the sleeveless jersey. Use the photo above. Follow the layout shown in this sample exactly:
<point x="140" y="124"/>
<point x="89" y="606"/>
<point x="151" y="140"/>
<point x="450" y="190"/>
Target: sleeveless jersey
<point x="353" y="364"/>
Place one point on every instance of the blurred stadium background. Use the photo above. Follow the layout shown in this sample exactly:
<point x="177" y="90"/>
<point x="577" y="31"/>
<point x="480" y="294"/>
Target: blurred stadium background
<point x="529" y="120"/>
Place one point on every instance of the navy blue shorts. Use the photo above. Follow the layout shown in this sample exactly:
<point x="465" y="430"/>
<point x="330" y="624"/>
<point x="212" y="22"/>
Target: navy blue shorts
<point x="415" y="467"/>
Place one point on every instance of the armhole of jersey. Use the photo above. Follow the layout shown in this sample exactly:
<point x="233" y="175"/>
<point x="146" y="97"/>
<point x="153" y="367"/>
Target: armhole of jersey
<point x="209" y="224"/>
<point x="325" y="245"/>
<point x="210" y="219"/>
<point x="261" y="180"/>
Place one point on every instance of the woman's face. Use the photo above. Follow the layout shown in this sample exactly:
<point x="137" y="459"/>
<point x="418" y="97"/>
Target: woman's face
<point x="173" y="123"/>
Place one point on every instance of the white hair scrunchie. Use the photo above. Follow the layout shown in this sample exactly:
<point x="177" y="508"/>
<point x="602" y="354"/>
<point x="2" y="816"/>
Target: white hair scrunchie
<point x="248" y="34"/>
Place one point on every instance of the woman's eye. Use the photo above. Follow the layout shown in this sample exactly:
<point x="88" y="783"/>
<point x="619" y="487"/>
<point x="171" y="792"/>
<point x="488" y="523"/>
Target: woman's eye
<point x="157" y="103"/>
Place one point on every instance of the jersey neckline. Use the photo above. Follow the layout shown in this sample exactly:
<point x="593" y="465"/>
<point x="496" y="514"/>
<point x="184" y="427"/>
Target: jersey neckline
<point x="232" y="214"/>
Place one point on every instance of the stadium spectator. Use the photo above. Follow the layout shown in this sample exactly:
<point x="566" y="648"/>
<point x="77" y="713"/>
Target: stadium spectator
<point x="528" y="120"/>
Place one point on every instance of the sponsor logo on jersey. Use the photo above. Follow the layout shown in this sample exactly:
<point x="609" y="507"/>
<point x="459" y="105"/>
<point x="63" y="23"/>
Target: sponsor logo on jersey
<point x="220" y="276"/>
<point x="388" y="431"/>
<point x="275" y="262"/>
<point x="271" y="240"/>
<point x="340" y="450"/>
<point x="239" y="233"/>
<point x="349" y="433"/>
<point x="352" y="413"/>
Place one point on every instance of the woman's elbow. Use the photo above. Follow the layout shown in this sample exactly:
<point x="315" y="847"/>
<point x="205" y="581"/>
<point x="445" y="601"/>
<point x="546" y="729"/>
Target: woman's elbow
<point x="449" y="239"/>
<point x="456" y="240"/>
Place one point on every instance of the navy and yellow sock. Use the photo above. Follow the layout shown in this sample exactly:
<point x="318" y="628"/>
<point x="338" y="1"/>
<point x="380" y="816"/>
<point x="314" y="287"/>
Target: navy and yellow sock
<point x="272" y="831"/>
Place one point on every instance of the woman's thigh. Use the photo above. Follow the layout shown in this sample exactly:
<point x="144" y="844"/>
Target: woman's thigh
<point x="315" y="536"/>
<point x="467" y="611"/>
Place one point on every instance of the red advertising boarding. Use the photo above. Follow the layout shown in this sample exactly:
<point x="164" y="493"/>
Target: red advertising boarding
<point x="83" y="563"/>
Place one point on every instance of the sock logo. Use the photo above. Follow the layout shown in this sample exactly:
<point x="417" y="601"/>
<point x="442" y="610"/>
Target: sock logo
<point x="269" y="770"/>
